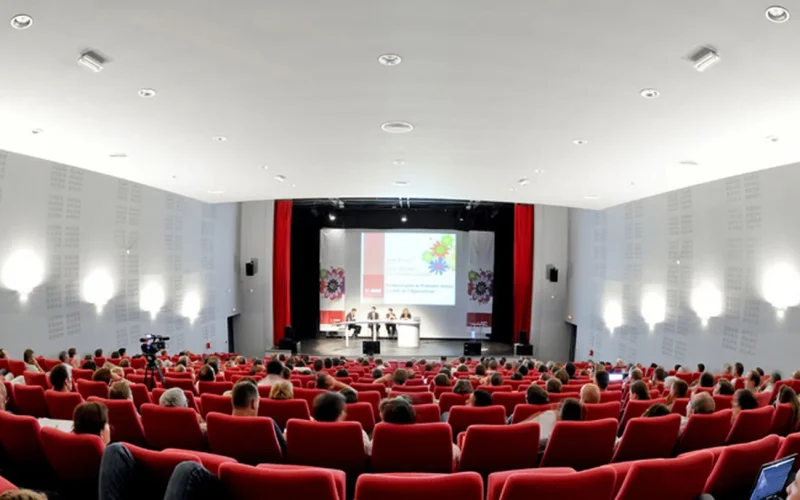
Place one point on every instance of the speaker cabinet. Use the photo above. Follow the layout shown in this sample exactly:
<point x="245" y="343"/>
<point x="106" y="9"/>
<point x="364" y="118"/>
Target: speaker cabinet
<point x="288" y="344"/>
<point x="522" y="338"/>
<point x="251" y="268"/>
<point x="523" y="350"/>
<point x="552" y="274"/>
<point x="472" y="348"/>
<point x="371" y="347"/>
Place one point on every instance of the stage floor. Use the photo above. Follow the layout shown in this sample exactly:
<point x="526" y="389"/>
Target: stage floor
<point x="428" y="348"/>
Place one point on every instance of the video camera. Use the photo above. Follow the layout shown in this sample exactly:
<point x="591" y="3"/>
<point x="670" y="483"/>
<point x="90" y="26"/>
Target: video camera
<point x="153" y="344"/>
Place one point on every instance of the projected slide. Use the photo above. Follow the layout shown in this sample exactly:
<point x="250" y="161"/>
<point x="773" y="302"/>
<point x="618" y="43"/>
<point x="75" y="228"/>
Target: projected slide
<point x="408" y="268"/>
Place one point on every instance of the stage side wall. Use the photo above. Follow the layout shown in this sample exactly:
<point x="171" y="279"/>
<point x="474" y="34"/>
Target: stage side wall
<point x="726" y="233"/>
<point x="78" y="222"/>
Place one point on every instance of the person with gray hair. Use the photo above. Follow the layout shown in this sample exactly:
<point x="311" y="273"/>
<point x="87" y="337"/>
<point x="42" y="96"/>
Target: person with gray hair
<point x="173" y="398"/>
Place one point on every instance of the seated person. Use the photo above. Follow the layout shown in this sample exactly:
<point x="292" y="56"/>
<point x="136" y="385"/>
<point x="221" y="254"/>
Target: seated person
<point x="350" y="395"/>
<point x="656" y="410"/>
<point x="496" y="379"/>
<point x="706" y="380"/>
<point x="174" y="397"/>
<point x="570" y="410"/>
<point x="601" y="379"/>
<point x="553" y="386"/>
<point x="332" y="407"/>
<point x="701" y="404"/>
<point x="120" y="390"/>
<point x="479" y="399"/>
<point x="724" y="388"/>
<point x="281" y="391"/>
<point x="399" y="377"/>
<point x="274" y="373"/>
<point x="535" y="395"/>
<point x="639" y="391"/>
<point x="400" y="411"/>
<point x="463" y="386"/>
<point x="60" y="379"/>
<point x="752" y="381"/>
<point x="325" y="381"/>
<point x="679" y="390"/>
<point x="92" y="418"/>
<point x="743" y="399"/>
<point x="590" y="394"/>
<point x="102" y="375"/>
<point x="441" y="380"/>
<point x="245" y="404"/>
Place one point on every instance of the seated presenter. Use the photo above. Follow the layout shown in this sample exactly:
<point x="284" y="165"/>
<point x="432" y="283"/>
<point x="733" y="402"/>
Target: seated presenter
<point x="391" y="328"/>
<point x="374" y="316"/>
<point x="351" y="316"/>
<point x="405" y="314"/>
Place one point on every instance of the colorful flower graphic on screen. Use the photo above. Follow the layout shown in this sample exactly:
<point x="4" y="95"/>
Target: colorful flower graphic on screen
<point x="479" y="287"/>
<point x="439" y="249"/>
<point x="438" y="266"/>
<point x="331" y="283"/>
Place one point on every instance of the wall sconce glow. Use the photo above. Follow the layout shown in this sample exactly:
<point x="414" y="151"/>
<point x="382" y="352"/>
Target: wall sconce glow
<point x="612" y="315"/>
<point x="191" y="306"/>
<point x="98" y="288"/>
<point x="706" y="302"/>
<point x="152" y="299"/>
<point x="654" y="308"/>
<point x="780" y="286"/>
<point x="22" y="272"/>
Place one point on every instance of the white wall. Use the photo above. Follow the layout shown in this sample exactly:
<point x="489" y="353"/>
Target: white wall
<point x="550" y="333"/>
<point x="727" y="233"/>
<point x="253" y="327"/>
<point x="79" y="221"/>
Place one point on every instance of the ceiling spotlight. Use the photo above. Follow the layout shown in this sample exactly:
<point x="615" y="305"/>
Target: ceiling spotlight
<point x="390" y="59"/>
<point x="21" y="22"/>
<point x="216" y="191"/>
<point x="649" y="93"/>
<point x="688" y="163"/>
<point x="538" y="171"/>
<point x="147" y="93"/>
<point x="37" y="131"/>
<point x="704" y="59"/>
<point x="280" y="178"/>
<point x="591" y="197"/>
<point x="512" y="189"/>
<point x="399" y="163"/>
<point x="773" y="138"/>
<point x="294" y="185"/>
<point x="524" y="181"/>
<point x="401" y="183"/>
<point x="92" y="61"/>
<point x="461" y="219"/>
<point x="331" y="216"/>
<point x="580" y="142"/>
<point x="220" y="138"/>
<point x="397" y="127"/>
<point x="777" y="14"/>
<point x="404" y="219"/>
<point x="117" y="156"/>
<point x="265" y="167"/>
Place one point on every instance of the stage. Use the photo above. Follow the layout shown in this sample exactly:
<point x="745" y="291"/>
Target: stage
<point x="428" y="348"/>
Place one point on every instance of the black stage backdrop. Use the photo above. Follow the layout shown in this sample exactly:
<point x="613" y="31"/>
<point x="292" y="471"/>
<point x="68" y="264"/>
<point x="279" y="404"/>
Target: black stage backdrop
<point x="309" y="216"/>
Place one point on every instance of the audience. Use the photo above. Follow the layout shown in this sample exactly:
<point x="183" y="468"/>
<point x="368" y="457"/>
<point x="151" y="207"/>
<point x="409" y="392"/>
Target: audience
<point x="787" y="395"/>
<point x="102" y="375"/>
<point x="60" y="379"/>
<point x="706" y="380"/>
<point x="463" y="387"/>
<point x="743" y="399"/>
<point x="553" y="385"/>
<point x="656" y="410"/>
<point x="480" y="398"/>
<point x="31" y="365"/>
<point x="92" y="418"/>
<point x="535" y="395"/>
<point x="120" y="390"/>
<point x="753" y="381"/>
<point x="701" y="404"/>
<point x="601" y="379"/>
<point x="332" y="407"/>
<point x="724" y="388"/>
<point x="3" y="396"/>
<point x="590" y="394"/>
<point x="281" y="390"/>
<point x="66" y="361"/>
<point x="639" y="391"/>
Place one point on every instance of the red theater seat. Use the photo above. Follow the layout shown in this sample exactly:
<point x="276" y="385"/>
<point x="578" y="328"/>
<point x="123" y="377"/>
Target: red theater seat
<point x="557" y="397"/>
<point x="39" y="379"/>
<point x="648" y="478"/>
<point x="523" y="412"/>
<point x="183" y="383"/>
<point x="461" y="417"/>
<point x="427" y="414"/>
<point x="635" y="409"/>
<point x="157" y="468"/>
<point x="462" y="485"/>
<point x="217" y="388"/>
<point x="417" y="398"/>
<point x="172" y="428"/>
<point x="363" y="414"/>
<point x="75" y="458"/>
<point x="309" y="395"/>
<point x="244" y="481"/>
<point x="214" y="403"/>
<point x="580" y="445"/>
<point x="281" y="410"/>
<point x="736" y="469"/>
<point x="29" y="400"/>
<point x="679" y="406"/>
<point x="479" y="449"/>
<point x="250" y="440"/>
<point x="508" y="400"/>
<point x="396" y="448"/>
<point x="599" y="411"/>
<point x="609" y="396"/>
<point x="449" y="400"/>
<point x="497" y="481"/>
<point x="19" y="442"/>
<point x="61" y="405"/>
<point x="124" y="421"/>
<point x="303" y="438"/>
<point x="6" y="485"/>
<point x="89" y="388"/>
<point x="751" y="425"/>
<point x="140" y="395"/>
<point x="783" y="420"/>
<point x="16" y="367"/>
<point x="597" y="484"/>
<point x="722" y="403"/>
<point x="704" y="431"/>
<point x="652" y="437"/>
<point x="789" y="446"/>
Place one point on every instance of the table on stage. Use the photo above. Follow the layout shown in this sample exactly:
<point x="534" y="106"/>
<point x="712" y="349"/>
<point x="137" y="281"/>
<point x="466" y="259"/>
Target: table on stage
<point x="407" y="331"/>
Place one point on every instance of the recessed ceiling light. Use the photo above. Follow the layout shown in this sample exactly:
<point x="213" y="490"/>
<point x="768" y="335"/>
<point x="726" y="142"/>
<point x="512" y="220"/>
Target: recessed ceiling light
<point x="21" y="22"/>
<point x="524" y="181"/>
<point x="633" y="184"/>
<point x="265" y="167"/>
<point x="37" y="131"/>
<point x="147" y="93"/>
<point x="649" y="93"/>
<point x="773" y="138"/>
<point x="220" y="138"/>
<point x="401" y="183"/>
<point x="512" y="189"/>
<point x="580" y="142"/>
<point x="294" y="185"/>
<point x="174" y="176"/>
<point x="117" y="156"/>
<point x="280" y="178"/>
<point x="688" y="163"/>
<point x="397" y="127"/>
<point x="777" y="14"/>
<point x="591" y="197"/>
<point x="399" y="163"/>
<point x="216" y="191"/>
<point x="538" y="171"/>
<point x="390" y="59"/>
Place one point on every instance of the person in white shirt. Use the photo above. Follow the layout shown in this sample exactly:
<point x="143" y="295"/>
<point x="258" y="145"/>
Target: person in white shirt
<point x="64" y="358"/>
<point x="391" y="328"/>
<point x="274" y="370"/>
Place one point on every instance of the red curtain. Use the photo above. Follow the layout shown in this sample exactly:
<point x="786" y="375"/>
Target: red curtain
<point x="281" y="269"/>
<point x="523" y="268"/>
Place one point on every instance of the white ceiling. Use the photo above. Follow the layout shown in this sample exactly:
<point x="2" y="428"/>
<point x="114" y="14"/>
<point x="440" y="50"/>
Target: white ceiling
<point x="495" y="90"/>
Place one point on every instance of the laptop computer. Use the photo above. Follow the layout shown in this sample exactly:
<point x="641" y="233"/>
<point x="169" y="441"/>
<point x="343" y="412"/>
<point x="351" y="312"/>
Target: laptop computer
<point x="772" y="478"/>
<point x="616" y="377"/>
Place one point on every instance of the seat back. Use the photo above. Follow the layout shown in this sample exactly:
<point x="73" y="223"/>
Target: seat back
<point x="250" y="440"/>
<point x="461" y="485"/>
<point x="409" y="389"/>
<point x="244" y="481"/>
<point x="595" y="484"/>
<point x="124" y="421"/>
<point x="599" y="411"/>
<point x="737" y="467"/>
<point x="762" y="398"/>
<point x="427" y="414"/>
<point x="75" y="458"/>
<point x="481" y="443"/>
<point x="183" y="383"/>
<point x="396" y="448"/>
<point x="462" y="417"/>
<point x="450" y="399"/>
<point x="89" y="388"/>
<point x="679" y="406"/>
<point x="281" y="410"/>
<point x="704" y="431"/>
<point x="304" y="436"/>
<point x="140" y="395"/>
<point x="155" y="397"/>
<point x="217" y="388"/>
<point x="61" y="405"/>
<point x="751" y="425"/>
<point x="722" y="402"/>
<point x="40" y="379"/>
<point x="609" y="396"/>
<point x="508" y="400"/>
<point x="157" y="467"/>
<point x="363" y="414"/>
<point x="646" y="478"/>
<point x="374" y="398"/>
<point x="557" y="397"/>
<point x="19" y="441"/>
<point x="580" y="445"/>
<point x="16" y="367"/>
<point x="358" y="386"/>
<point x="784" y="421"/>
<point x="29" y="400"/>
<point x="172" y="428"/>
<point x="417" y="398"/>
<point x="494" y="389"/>
<point x="644" y="437"/>
<point x="212" y="402"/>
<point x="309" y="395"/>
<point x="635" y="408"/>
<point x="789" y="446"/>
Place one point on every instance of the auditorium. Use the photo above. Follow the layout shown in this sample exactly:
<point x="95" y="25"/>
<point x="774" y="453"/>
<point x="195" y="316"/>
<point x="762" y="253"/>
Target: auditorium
<point x="375" y="250"/>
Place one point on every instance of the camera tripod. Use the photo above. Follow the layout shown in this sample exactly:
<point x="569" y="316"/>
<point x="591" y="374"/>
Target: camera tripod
<point x="150" y="373"/>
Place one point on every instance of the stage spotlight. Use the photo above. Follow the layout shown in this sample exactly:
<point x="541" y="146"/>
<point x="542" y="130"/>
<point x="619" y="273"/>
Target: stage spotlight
<point x="331" y="216"/>
<point x="22" y="272"/>
<point x="191" y="306"/>
<point x="98" y="289"/>
<point x="152" y="299"/>
<point x="612" y="315"/>
<point x="404" y="219"/>
<point x="706" y="302"/>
